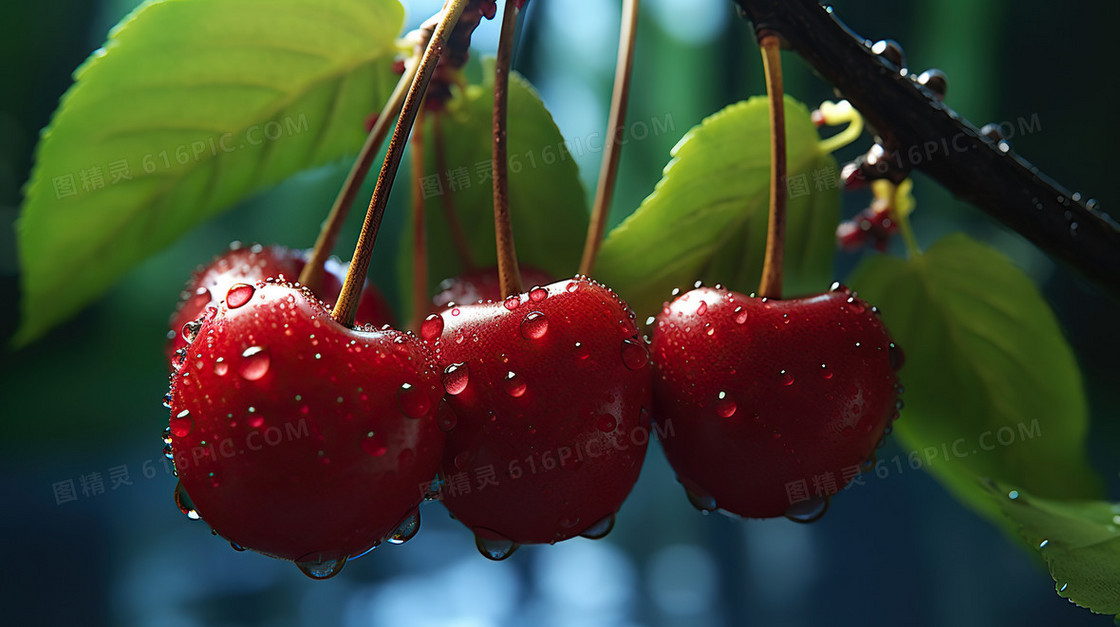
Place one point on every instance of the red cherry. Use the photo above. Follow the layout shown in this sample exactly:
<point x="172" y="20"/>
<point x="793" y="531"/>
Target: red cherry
<point x="297" y="437"/>
<point x="210" y="283"/>
<point x="482" y="285"/>
<point x="771" y="406"/>
<point x="548" y="393"/>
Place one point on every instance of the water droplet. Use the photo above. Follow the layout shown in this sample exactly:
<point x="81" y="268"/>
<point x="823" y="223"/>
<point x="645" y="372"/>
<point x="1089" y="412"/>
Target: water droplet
<point x="414" y="403"/>
<point x="190" y="330"/>
<point x="167" y="400"/>
<point x="254" y="365"/>
<point x="167" y="435"/>
<point x="605" y="423"/>
<point x="581" y="351"/>
<point x="634" y="354"/>
<point x="856" y="305"/>
<point x="183" y="501"/>
<point x="321" y="565"/>
<point x="599" y="529"/>
<point x="239" y="294"/>
<point x="407" y="530"/>
<point x="703" y="502"/>
<point x="221" y="367"/>
<point x="374" y="444"/>
<point x="1043" y="544"/>
<point x="534" y="326"/>
<point x="537" y="294"/>
<point x="1013" y="495"/>
<point x="513" y="302"/>
<point x="181" y="424"/>
<point x="431" y="327"/>
<point x="197" y="302"/>
<point x="256" y="421"/>
<point x="702" y="309"/>
<point x="235" y="546"/>
<point x="725" y="407"/>
<point x="445" y="416"/>
<point x="808" y="511"/>
<point x="785" y="377"/>
<point x="825" y="372"/>
<point x="572" y="286"/>
<point x="496" y="550"/>
<point x="455" y="378"/>
<point x="514" y="384"/>
<point x="896" y="356"/>
<point x="455" y="311"/>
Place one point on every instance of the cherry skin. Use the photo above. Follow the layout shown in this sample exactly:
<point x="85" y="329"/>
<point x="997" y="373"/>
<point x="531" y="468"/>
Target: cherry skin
<point x="248" y="264"/>
<point x="297" y="437"/>
<point x="482" y="285"/>
<point x="771" y="406"/>
<point x="548" y="392"/>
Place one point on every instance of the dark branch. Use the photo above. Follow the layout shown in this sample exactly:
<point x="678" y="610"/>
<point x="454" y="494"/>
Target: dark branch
<point x="920" y="132"/>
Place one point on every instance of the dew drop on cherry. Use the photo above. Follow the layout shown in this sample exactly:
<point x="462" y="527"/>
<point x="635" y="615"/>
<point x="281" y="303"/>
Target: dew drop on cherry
<point x="255" y="421"/>
<point x="373" y="444"/>
<point x="184" y="502"/>
<point x="321" y="565"/>
<point x="455" y="378"/>
<point x="785" y="378"/>
<point x="702" y="309"/>
<point x="725" y="407"/>
<point x="703" y="502"/>
<point x="414" y="403"/>
<point x="856" y="305"/>
<point x="808" y="511"/>
<point x="431" y="327"/>
<point x="197" y="302"/>
<point x="537" y="294"/>
<point x="513" y="302"/>
<point x="190" y="330"/>
<point x="740" y="315"/>
<point x="599" y="529"/>
<point x="407" y="530"/>
<point x="496" y="550"/>
<point x="534" y="326"/>
<point x="181" y="424"/>
<point x="254" y="363"/>
<point x="825" y="372"/>
<point x="221" y="366"/>
<point x="634" y="354"/>
<point x="896" y="356"/>
<point x="239" y="294"/>
<point x="445" y="416"/>
<point x="514" y="385"/>
<point x="581" y="351"/>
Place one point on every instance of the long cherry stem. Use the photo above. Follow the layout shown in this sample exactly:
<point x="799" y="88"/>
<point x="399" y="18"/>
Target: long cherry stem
<point x="509" y="275"/>
<point x="447" y="199"/>
<point x="312" y="273"/>
<point x="419" y="230"/>
<point x="608" y="170"/>
<point x="347" y="304"/>
<point x="771" y="284"/>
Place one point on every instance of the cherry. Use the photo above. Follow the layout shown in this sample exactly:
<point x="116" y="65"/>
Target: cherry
<point x="297" y="437"/>
<point x="547" y="390"/>
<point x="482" y="285"/>
<point x="772" y="405"/>
<point x="240" y="264"/>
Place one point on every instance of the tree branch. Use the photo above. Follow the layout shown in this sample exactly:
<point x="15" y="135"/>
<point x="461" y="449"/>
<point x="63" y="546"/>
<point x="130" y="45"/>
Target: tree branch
<point x="926" y="135"/>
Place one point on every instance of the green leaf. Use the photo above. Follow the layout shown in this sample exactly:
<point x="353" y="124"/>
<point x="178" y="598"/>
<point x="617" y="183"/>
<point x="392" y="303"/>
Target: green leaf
<point x="191" y="106"/>
<point x="548" y="206"/>
<point x="992" y="387"/>
<point x="706" y="219"/>
<point x="1080" y="542"/>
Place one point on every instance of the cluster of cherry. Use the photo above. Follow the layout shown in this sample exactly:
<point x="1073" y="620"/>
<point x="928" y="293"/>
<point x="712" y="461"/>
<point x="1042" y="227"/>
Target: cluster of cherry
<point x="748" y="393"/>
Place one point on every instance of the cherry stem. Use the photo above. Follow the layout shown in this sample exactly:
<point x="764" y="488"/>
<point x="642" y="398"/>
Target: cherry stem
<point x="419" y="230"/>
<point x="608" y="170"/>
<point x="312" y="273"/>
<point x="347" y="305"/>
<point x="451" y="216"/>
<point x="771" y="283"/>
<point x="509" y="275"/>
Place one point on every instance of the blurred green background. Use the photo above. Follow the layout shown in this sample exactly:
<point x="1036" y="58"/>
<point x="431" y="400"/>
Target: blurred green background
<point x="86" y="399"/>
